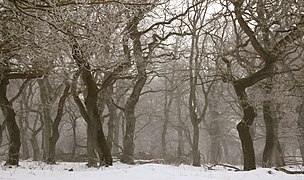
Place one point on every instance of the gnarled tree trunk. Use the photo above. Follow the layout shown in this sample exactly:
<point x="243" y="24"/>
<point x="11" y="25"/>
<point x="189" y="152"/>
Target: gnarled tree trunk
<point x="129" y="111"/>
<point x="243" y="127"/>
<point x="91" y="112"/>
<point x="12" y="127"/>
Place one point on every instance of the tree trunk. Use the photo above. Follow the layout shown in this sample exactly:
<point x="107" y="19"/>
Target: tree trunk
<point x="55" y="133"/>
<point x="12" y="127"/>
<point x="195" y="150"/>
<point x="300" y="123"/>
<point x="243" y="127"/>
<point x="112" y="118"/>
<point x="23" y="125"/>
<point x="272" y="155"/>
<point x="168" y="102"/>
<point x="117" y="133"/>
<point x="2" y="128"/>
<point x="163" y="135"/>
<point x="74" y="138"/>
<point x="46" y="109"/>
<point x="214" y="131"/>
<point x="180" y="146"/>
<point x="90" y="112"/>
<point x="33" y="139"/>
<point x="128" y="141"/>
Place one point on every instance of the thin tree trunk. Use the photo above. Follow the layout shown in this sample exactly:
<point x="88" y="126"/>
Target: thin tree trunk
<point x="168" y="102"/>
<point x="34" y="142"/>
<point x="74" y="138"/>
<point x="117" y="133"/>
<point x="46" y="106"/>
<point x="180" y="146"/>
<point x="55" y="133"/>
<point x="12" y="127"/>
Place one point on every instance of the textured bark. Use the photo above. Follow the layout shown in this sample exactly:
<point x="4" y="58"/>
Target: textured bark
<point x="243" y="127"/>
<point x="12" y="127"/>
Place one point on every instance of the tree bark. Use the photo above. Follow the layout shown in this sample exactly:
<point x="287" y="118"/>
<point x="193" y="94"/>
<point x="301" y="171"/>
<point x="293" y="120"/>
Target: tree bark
<point x="112" y="118"/>
<point x="90" y="112"/>
<point x="12" y="127"/>
<point x="195" y="150"/>
<point x="128" y="141"/>
<point x="243" y="127"/>
<point x="141" y="65"/>
<point x="300" y="123"/>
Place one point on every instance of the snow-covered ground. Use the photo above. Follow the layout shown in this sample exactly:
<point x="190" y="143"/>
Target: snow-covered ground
<point x="76" y="171"/>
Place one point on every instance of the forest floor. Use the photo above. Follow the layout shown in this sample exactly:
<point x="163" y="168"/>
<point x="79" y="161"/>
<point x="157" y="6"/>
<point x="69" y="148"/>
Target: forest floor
<point x="76" y="171"/>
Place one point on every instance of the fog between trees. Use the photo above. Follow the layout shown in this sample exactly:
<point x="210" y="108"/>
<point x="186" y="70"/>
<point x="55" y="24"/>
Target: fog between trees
<point x="197" y="82"/>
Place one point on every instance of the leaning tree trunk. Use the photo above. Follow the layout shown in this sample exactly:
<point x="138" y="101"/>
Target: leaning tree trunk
<point x="91" y="135"/>
<point x="272" y="155"/>
<point x="300" y="122"/>
<point x="91" y="109"/>
<point x="129" y="111"/>
<point x="55" y="133"/>
<point x="12" y="127"/>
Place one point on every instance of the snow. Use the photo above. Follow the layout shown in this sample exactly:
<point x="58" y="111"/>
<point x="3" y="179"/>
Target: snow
<point x="75" y="171"/>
